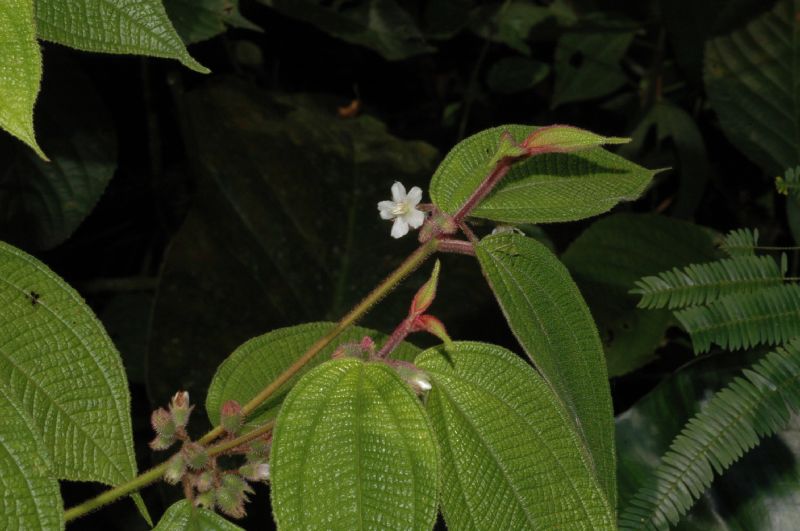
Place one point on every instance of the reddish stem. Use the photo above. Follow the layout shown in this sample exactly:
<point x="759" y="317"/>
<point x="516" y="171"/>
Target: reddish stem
<point x="457" y="246"/>
<point x="397" y="337"/>
<point x="488" y="184"/>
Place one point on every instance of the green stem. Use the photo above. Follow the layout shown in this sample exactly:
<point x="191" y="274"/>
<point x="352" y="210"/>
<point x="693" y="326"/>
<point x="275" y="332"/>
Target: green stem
<point x="411" y="263"/>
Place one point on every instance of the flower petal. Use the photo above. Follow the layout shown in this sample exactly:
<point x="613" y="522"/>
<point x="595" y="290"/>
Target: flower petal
<point x="414" y="196"/>
<point x="415" y="218"/>
<point x="400" y="228"/>
<point x="386" y="208"/>
<point x="398" y="192"/>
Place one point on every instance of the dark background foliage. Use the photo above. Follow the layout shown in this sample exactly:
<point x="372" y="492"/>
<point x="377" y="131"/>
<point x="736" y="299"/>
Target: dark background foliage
<point x="220" y="207"/>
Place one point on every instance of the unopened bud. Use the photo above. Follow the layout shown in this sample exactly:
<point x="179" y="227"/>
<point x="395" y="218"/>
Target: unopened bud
<point x="176" y="468"/>
<point x="255" y="471"/>
<point x="196" y="455"/>
<point x="232" y="495"/>
<point x="426" y="294"/>
<point x="180" y="409"/>
<point x="161" y="442"/>
<point x="205" y="500"/>
<point x="204" y="481"/>
<point x="231" y="417"/>
<point x="416" y="378"/>
<point x="259" y="450"/>
<point x="162" y="423"/>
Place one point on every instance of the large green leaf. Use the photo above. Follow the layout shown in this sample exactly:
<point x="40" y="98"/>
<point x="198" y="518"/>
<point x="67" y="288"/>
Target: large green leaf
<point x="198" y="20"/>
<point x="751" y="78"/>
<point x="20" y="70"/>
<point x="552" y="323"/>
<point x="42" y="203"/>
<point x="382" y="25"/>
<point x="587" y="63"/>
<point x="353" y="449"/>
<point x="113" y="26"/>
<point x="284" y="230"/>
<point x="29" y="496"/>
<point x="607" y="260"/>
<point x="543" y="189"/>
<point x="758" y="492"/>
<point x="59" y="366"/>
<point x="262" y="359"/>
<point x="183" y="516"/>
<point x="511" y="457"/>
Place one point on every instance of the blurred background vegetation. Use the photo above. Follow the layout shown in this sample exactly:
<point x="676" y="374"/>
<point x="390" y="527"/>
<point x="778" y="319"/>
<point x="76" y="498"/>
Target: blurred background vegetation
<point x="194" y="212"/>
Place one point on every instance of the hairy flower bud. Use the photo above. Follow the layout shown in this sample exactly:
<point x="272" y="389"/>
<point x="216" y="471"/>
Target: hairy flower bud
<point x="163" y="423"/>
<point x="204" y="481"/>
<point x="231" y="417"/>
<point x="206" y="499"/>
<point x="196" y="455"/>
<point x="180" y="409"/>
<point x="176" y="468"/>
<point x="255" y="471"/>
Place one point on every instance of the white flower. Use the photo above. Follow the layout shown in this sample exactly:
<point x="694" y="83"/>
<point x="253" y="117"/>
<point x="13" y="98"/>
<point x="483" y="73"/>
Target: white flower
<point x="403" y="209"/>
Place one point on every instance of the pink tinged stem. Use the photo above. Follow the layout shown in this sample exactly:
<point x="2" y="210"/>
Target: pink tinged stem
<point x="457" y="247"/>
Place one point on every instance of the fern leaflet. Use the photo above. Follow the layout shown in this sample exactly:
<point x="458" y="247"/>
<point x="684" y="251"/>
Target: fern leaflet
<point x="732" y="423"/>
<point x="742" y="320"/>
<point x="740" y="242"/>
<point x="704" y="283"/>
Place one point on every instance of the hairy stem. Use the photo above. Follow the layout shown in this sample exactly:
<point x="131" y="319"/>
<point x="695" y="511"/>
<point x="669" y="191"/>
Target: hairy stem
<point x="411" y="263"/>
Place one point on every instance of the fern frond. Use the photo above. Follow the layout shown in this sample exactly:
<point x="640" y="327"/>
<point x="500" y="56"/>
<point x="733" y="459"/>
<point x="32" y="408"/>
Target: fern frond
<point x="789" y="184"/>
<point x="704" y="283"/>
<point x="732" y="423"/>
<point x="740" y="242"/>
<point x="768" y="316"/>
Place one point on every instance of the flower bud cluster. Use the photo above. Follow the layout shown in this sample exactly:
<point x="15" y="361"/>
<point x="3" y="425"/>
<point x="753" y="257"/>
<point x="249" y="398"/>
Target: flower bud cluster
<point x="170" y="425"/>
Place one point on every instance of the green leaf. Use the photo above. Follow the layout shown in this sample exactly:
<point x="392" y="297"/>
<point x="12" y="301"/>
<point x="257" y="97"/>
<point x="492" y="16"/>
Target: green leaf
<point x="768" y="316"/>
<point x="262" y="359"/>
<point x="30" y="496"/>
<point x="510" y="75"/>
<point x="353" y="449"/>
<point x="42" y="203"/>
<point x="138" y="27"/>
<point x="609" y="257"/>
<point x="382" y="25"/>
<point x="758" y="492"/>
<point x="183" y="516"/>
<point x="199" y="20"/>
<point x="55" y="358"/>
<point x="750" y="77"/>
<point x="789" y="184"/>
<point x="740" y="242"/>
<point x="509" y="23"/>
<point x="587" y="64"/>
<point x="704" y="283"/>
<point x="511" y="457"/>
<point x="552" y="323"/>
<point x="20" y="70"/>
<point x="262" y="249"/>
<point x="542" y="189"/>
<point x="730" y="424"/>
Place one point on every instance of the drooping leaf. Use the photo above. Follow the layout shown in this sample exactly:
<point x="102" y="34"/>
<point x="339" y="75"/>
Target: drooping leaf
<point x="510" y="75"/>
<point x="542" y="189"/>
<point x="198" y="20"/>
<point x="382" y="25"/>
<point x="55" y="359"/>
<point x="509" y="23"/>
<point x="609" y="257"/>
<point x="750" y="77"/>
<point x="732" y="422"/>
<point x="587" y="64"/>
<point x="113" y="26"/>
<point x="353" y="449"/>
<point x="511" y="458"/>
<point x="183" y="516"/>
<point x="262" y="248"/>
<point x="29" y="496"/>
<point x="42" y="203"/>
<point x="259" y="361"/>
<point x="704" y="283"/>
<point x="766" y="317"/>
<point x="551" y="321"/>
<point x="757" y="492"/>
<point x="20" y="70"/>
<point x="740" y="242"/>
